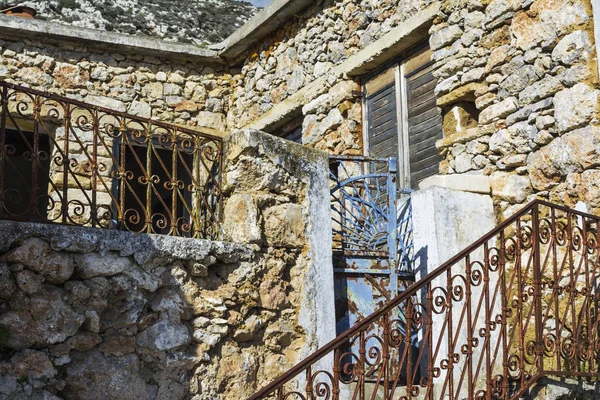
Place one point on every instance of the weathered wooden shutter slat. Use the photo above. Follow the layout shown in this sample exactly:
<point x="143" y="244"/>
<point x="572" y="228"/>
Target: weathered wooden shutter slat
<point x="382" y="118"/>
<point x="424" y="125"/>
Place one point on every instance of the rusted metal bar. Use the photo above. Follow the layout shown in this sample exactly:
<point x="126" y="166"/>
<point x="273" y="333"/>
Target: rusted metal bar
<point x="536" y="278"/>
<point x="98" y="175"/>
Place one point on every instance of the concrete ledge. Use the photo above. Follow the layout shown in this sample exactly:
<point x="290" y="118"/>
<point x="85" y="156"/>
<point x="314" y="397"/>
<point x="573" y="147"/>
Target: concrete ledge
<point x="391" y="45"/>
<point x="460" y="182"/>
<point x="13" y="28"/>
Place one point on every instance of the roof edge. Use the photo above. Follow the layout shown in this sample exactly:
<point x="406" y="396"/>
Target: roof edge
<point x="37" y="29"/>
<point x="263" y="23"/>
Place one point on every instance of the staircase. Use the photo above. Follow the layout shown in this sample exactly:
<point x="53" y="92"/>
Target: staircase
<point x="520" y="304"/>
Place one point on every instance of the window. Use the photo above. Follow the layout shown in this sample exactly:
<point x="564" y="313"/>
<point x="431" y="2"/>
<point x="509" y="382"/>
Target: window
<point x="292" y="131"/>
<point x="402" y="119"/>
<point x="152" y="201"/>
<point x="25" y="178"/>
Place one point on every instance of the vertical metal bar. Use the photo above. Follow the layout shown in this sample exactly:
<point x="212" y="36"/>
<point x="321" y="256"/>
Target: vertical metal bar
<point x="520" y="292"/>
<point x="392" y="239"/>
<point x="94" y="169"/>
<point x="362" y="353"/>
<point x="450" y="335"/>
<point x="573" y="285"/>
<point x="123" y="172"/>
<point x="175" y="185"/>
<point x="149" y="182"/>
<point x="555" y="287"/>
<point x="429" y="335"/>
<point x="3" y="144"/>
<point x="408" y="343"/>
<point x="488" y="322"/>
<point x="336" y="374"/>
<point x="537" y="289"/>
<point x="587" y="293"/>
<point x="65" y="187"/>
<point x="386" y="355"/>
<point x="309" y="391"/>
<point x="505" y="312"/>
<point x="469" y="347"/>
<point x="35" y="158"/>
<point x="218" y="190"/>
<point x="196" y="175"/>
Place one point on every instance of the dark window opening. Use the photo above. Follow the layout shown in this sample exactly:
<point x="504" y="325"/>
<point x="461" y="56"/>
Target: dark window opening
<point x="25" y="178"/>
<point x="292" y="131"/>
<point x="150" y="198"/>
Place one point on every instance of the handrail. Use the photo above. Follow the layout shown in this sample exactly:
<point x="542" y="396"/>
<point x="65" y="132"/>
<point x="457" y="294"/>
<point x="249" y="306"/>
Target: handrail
<point x="88" y="165"/>
<point x="529" y="239"/>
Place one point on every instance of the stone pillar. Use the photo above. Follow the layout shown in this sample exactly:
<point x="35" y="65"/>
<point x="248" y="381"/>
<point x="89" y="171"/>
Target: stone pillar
<point x="445" y="222"/>
<point x="277" y="198"/>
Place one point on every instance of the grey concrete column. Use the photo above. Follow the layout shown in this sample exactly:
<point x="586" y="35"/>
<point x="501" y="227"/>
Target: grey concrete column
<point x="445" y="222"/>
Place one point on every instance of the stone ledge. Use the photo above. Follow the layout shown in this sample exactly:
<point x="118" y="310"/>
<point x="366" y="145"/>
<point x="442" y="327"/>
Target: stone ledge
<point x="12" y="28"/>
<point x="141" y="246"/>
<point x="461" y="182"/>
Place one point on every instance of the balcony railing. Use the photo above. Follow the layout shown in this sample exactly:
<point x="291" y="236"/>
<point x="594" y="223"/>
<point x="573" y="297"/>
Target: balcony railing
<point x="68" y="162"/>
<point x="519" y="304"/>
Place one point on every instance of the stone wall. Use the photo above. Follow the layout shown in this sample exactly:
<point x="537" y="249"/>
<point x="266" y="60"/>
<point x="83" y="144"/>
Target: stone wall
<point x="88" y="313"/>
<point x="278" y="195"/>
<point x="525" y="73"/>
<point x="306" y="48"/>
<point x="182" y="92"/>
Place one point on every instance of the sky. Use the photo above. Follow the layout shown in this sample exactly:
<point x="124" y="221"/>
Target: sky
<point x="260" y="3"/>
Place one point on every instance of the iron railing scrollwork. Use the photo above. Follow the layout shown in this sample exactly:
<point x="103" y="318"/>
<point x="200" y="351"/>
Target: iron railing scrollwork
<point x="68" y="162"/>
<point x="520" y="303"/>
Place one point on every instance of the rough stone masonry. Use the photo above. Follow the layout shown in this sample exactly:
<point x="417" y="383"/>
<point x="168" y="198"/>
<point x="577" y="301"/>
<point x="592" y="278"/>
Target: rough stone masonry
<point x="96" y="314"/>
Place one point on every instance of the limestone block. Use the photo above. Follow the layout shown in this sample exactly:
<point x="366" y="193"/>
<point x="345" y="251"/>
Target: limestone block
<point x="164" y="335"/>
<point x="444" y="36"/>
<point x="510" y="187"/>
<point x="515" y="138"/>
<point x="93" y="264"/>
<point x="540" y="90"/>
<point x="37" y="256"/>
<point x="47" y="320"/>
<point x="7" y="286"/>
<point x="242" y="219"/>
<point x="207" y="119"/>
<point x="284" y="225"/>
<point x="575" y="107"/>
<point x="498" y="110"/>
<point x="107" y="102"/>
<point x="115" y="377"/>
<point x="459" y="182"/>
<point x="575" y="47"/>
<point x="572" y="152"/>
<point x="140" y="109"/>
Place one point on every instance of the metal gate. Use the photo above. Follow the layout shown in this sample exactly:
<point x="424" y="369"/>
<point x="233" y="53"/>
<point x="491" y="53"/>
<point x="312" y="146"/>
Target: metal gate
<point x="372" y="237"/>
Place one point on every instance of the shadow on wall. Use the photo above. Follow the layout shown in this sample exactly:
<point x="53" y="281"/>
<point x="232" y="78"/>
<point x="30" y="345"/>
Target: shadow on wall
<point x="563" y="389"/>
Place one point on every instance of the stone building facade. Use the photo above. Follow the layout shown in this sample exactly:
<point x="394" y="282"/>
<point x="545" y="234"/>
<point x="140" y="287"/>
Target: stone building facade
<point x="511" y="88"/>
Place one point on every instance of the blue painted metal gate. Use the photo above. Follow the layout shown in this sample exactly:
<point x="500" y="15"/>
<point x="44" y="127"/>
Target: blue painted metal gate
<point x="372" y="236"/>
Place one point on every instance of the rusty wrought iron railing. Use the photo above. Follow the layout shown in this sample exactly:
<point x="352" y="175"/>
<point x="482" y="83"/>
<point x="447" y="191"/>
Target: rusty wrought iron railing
<point x="519" y="304"/>
<point x="68" y="162"/>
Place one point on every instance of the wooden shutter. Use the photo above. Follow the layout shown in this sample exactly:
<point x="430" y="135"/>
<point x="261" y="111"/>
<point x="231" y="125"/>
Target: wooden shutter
<point x="295" y="135"/>
<point x="382" y="115"/>
<point x="424" y="123"/>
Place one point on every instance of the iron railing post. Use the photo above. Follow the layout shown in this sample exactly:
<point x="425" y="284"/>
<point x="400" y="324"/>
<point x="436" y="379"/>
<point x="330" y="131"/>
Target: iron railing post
<point x="392" y="229"/>
<point x="537" y="289"/>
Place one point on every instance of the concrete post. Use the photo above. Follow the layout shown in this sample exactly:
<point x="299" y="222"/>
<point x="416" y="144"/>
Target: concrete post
<point x="445" y="222"/>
